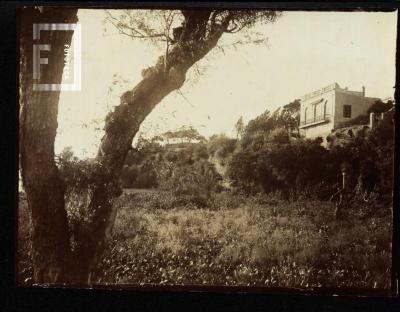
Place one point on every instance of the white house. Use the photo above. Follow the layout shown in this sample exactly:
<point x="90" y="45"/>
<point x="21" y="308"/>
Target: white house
<point x="322" y="110"/>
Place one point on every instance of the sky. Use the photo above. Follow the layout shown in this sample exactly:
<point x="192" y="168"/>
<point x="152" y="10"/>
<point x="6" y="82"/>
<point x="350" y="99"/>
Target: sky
<point x="305" y="51"/>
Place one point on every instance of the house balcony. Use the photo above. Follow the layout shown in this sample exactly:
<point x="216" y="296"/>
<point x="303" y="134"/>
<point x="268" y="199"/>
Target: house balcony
<point x="314" y="121"/>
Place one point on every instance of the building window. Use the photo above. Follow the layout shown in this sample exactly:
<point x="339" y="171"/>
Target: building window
<point x="347" y="111"/>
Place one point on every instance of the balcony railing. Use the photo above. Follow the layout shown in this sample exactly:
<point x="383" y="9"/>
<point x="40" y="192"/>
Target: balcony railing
<point x="314" y="119"/>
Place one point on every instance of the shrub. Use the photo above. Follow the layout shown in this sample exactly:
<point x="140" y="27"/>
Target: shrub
<point x="380" y="107"/>
<point x="279" y="166"/>
<point x="279" y="135"/>
<point x="197" y="181"/>
<point x="270" y="160"/>
<point x="359" y="120"/>
<point x="220" y="146"/>
<point x="80" y="177"/>
<point x="129" y="175"/>
<point x="139" y="176"/>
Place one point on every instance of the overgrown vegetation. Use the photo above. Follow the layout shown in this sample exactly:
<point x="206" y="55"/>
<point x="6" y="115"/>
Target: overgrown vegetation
<point x="272" y="158"/>
<point x="160" y="238"/>
<point x="273" y="226"/>
<point x="180" y="168"/>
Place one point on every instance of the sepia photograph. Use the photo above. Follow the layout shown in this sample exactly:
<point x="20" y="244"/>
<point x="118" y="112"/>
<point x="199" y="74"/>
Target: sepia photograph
<point x="206" y="147"/>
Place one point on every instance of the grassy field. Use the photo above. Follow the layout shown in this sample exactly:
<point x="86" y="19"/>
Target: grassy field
<point x="159" y="238"/>
<point x="162" y="239"/>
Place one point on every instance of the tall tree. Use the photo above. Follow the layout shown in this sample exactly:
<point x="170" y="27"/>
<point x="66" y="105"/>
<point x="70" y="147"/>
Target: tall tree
<point x="198" y="33"/>
<point x="38" y="126"/>
<point x="239" y="126"/>
<point x="185" y="134"/>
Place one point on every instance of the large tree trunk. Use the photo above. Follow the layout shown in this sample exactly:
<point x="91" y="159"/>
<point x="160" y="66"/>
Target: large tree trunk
<point x="41" y="179"/>
<point x="123" y="123"/>
<point x="38" y="126"/>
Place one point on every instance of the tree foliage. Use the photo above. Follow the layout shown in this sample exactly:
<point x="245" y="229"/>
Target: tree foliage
<point x="183" y="170"/>
<point x="258" y="131"/>
<point x="239" y="126"/>
<point x="184" y="134"/>
<point x="380" y="107"/>
<point x="271" y="160"/>
<point x="370" y="155"/>
<point x="189" y="34"/>
<point x="221" y="146"/>
<point x="278" y="166"/>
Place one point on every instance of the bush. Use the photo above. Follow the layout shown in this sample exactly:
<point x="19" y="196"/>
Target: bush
<point x="139" y="176"/>
<point x="220" y="146"/>
<point x="197" y="181"/>
<point x="278" y="166"/>
<point x="369" y="159"/>
<point x="272" y="161"/>
<point x="80" y="178"/>
<point x="380" y="107"/>
<point x="359" y="120"/>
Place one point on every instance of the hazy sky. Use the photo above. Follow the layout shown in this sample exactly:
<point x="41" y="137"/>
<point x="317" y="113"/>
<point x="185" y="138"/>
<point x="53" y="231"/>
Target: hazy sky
<point x="305" y="51"/>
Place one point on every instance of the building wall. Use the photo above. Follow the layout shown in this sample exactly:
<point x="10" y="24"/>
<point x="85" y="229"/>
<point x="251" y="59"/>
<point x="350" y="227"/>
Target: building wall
<point x="320" y="130"/>
<point x="325" y="99"/>
<point x="359" y="105"/>
<point x="331" y="98"/>
<point x="326" y="103"/>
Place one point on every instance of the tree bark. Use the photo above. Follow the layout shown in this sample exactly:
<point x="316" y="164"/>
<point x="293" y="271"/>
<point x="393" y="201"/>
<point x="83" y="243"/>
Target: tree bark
<point x="41" y="179"/>
<point x="123" y="123"/>
<point x="38" y="126"/>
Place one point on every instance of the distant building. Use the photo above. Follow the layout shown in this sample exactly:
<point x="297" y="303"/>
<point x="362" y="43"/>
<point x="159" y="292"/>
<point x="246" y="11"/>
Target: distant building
<point x="322" y="110"/>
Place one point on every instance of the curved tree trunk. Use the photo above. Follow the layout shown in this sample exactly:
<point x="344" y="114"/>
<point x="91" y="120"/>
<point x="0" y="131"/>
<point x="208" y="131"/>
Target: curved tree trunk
<point x="123" y="123"/>
<point x="38" y="126"/>
<point x="41" y="179"/>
